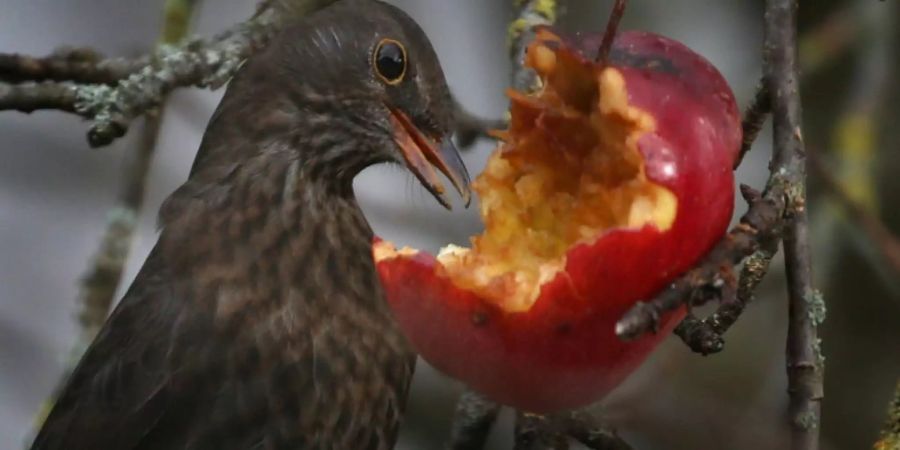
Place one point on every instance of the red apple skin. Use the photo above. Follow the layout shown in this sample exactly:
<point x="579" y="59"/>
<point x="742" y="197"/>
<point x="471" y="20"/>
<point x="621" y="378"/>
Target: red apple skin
<point x="563" y="352"/>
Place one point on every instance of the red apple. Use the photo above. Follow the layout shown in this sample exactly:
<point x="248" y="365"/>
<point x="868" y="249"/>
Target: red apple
<point x="611" y="181"/>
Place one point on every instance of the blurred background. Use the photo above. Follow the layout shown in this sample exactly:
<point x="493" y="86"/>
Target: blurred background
<point x="56" y="193"/>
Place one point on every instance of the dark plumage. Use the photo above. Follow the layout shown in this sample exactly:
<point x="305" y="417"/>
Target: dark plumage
<point x="258" y="321"/>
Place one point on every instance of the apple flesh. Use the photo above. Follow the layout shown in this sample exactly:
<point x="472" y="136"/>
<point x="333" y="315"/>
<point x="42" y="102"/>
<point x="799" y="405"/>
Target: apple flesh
<point x="609" y="183"/>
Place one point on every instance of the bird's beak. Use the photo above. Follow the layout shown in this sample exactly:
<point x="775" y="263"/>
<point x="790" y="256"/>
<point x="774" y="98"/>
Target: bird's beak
<point x="423" y="154"/>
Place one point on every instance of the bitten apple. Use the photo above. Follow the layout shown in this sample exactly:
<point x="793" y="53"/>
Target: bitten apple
<point x="611" y="180"/>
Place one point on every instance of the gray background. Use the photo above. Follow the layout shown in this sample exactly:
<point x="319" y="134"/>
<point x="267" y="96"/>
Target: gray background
<point x="55" y="193"/>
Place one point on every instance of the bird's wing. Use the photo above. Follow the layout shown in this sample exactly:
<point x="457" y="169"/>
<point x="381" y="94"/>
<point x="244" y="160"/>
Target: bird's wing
<point x="128" y="383"/>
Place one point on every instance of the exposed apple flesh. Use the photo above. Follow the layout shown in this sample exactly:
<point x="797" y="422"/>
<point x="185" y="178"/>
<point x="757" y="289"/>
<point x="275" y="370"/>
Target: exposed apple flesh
<point x="570" y="169"/>
<point x="610" y="182"/>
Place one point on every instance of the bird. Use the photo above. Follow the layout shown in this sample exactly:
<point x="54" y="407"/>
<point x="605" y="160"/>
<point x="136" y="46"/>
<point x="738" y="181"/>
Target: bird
<point x="258" y="321"/>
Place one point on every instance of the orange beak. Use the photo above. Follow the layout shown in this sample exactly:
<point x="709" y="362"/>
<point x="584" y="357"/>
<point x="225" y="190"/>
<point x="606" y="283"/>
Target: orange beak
<point x="423" y="154"/>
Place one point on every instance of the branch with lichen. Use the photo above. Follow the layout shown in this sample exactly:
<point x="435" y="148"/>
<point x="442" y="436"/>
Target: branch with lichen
<point x="890" y="435"/>
<point x="761" y="223"/>
<point x="99" y="284"/>
<point x="552" y="432"/>
<point x="706" y="336"/>
<point x="473" y="420"/>
<point x="199" y="62"/>
<point x="529" y="14"/>
<point x="144" y="83"/>
<point x="754" y="118"/>
<point x="854" y="145"/>
<point x="33" y="96"/>
<point x="81" y="65"/>
<point x="779" y="213"/>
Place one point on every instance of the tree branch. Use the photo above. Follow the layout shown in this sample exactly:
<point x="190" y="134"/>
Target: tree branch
<point x="754" y="118"/>
<point x="890" y="435"/>
<point x="530" y="14"/>
<point x="610" y="32"/>
<point x="761" y="222"/>
<point x="30" y="97"/>
<point x="140" y="84"/>
<point x="552" y="432"/>
<point x="537" y="432"/>
<point x="805" y="364"/>
<point x="201" y="63"/>
<point x="475" y="415"/>
<point x="706" y="336"/>
<point x="470" y="128"/>
<point x="594" y="434"/>
<point x="81" y="65"/>
<point x="855" y="136"/>
<point x="102" y="280"/>
<point x="99" y="284"/>
<point x="779" y="212"/>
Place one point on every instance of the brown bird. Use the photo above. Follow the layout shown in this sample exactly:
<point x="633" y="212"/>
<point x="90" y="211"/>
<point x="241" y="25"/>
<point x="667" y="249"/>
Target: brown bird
<point x="258" y="320"/>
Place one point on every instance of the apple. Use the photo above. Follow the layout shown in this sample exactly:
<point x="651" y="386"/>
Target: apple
<point x="613" y="179"/>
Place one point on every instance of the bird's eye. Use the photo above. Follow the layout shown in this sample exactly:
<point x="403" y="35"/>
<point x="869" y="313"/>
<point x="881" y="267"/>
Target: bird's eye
<point x="389" y="61"/>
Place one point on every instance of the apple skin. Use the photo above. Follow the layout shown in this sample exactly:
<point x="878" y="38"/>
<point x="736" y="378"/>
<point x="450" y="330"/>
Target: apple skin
<point x="563" y="352"/>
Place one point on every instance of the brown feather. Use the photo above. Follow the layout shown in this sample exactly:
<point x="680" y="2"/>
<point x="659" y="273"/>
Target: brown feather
<point x="258" y="320"/>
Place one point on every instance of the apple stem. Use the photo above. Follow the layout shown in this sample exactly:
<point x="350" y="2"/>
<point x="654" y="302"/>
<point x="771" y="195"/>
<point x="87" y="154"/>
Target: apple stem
<point x="612" y="27"/>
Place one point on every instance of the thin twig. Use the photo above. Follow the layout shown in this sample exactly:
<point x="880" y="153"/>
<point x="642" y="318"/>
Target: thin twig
<point x="890" y="435"/>
<point x="761" y="222"/>
<point x="529" y="14"/>
<point x="99" y="284"/>
<point x="30" y="97"/>
<point x="207" y="63"/>
<point x="201" y="63"/>
<point x="805" y="365"/>
<point x="470" y="128"/>
<point x="703" y="336"/>
<point x="474" y="418"/>
<point x="594" y="434"/>
<point x="81" y="65"/>
<point x="854" y="135"/>
<point x="754" y="118"/>
<point x="707" y="336"/>
<point x="609" y="34"/>
<point x="552" y="432"/>
<point x="537" y="432"/>
<point x="781" y="211"/>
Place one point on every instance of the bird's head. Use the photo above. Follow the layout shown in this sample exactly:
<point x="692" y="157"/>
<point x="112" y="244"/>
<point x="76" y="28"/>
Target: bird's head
<point x="367" y="86"/>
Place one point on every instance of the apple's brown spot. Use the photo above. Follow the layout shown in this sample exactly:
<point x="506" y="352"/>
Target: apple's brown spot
<point x="568" y="170"/>
<point x="564" y="328"/>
